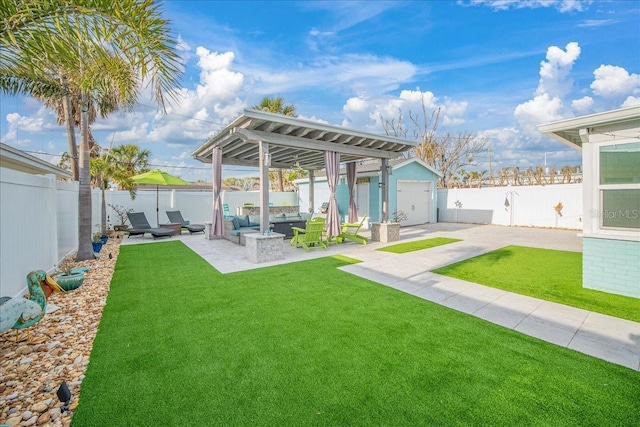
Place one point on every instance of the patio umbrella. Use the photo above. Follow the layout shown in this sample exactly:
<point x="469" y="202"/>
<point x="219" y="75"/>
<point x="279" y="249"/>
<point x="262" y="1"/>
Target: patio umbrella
<point x="158" y="178"/>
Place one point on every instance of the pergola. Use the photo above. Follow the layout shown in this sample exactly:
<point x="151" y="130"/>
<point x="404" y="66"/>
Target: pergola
<point x="267" y="140"/>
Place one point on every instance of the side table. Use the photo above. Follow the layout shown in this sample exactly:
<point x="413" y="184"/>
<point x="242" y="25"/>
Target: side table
<point x="175" y="226"/>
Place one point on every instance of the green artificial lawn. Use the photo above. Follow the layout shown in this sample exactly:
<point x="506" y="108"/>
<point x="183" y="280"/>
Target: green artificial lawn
<point x="417" y="245"/>
<point x="305" y="344"/>
<point x="542" y="273"/>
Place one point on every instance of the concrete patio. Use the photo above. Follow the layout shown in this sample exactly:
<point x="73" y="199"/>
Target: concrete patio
<point x="605" y="337"/>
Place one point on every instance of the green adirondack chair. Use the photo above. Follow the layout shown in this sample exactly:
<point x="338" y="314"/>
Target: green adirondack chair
<point x="310" y="236"/>
<point x="350" y="231"/>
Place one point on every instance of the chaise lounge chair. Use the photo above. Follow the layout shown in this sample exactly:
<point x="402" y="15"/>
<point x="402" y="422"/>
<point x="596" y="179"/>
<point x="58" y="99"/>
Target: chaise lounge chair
<point x="176" y="217"/>
<point x="140" y="226"/>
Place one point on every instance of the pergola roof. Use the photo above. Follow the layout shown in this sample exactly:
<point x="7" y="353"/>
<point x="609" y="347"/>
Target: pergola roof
<point x="295" y="142"/>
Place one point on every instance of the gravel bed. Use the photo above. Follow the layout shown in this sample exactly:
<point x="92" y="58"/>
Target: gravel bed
<point x="30" y="373"/>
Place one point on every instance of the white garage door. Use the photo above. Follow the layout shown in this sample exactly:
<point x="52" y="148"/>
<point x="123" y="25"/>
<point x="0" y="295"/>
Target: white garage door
<point x="415" y="198"/>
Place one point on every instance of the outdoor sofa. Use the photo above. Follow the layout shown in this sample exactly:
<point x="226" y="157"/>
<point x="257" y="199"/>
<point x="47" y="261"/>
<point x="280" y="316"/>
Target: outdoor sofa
<point x="235" y="227"/>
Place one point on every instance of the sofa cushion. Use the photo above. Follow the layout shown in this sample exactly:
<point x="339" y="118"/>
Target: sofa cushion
<point x="235" y="222"/>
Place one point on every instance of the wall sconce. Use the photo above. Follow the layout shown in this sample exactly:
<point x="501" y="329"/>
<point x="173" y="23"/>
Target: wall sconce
<point x="267" y="159"/>
<point x="389" y="170"/>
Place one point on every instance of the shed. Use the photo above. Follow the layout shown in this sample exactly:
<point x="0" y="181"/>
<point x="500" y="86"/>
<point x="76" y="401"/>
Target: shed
<point x="412" y="190"/>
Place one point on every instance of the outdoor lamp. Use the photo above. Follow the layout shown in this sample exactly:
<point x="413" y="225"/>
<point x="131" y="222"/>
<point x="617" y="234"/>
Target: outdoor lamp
<point x="64" y="395"/>
<point x="267" y="159"/>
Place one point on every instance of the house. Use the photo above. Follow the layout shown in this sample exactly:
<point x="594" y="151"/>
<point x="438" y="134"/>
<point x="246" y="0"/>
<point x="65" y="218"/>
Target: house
<point x="610" y="145"/>
<point x="412" y="190"/>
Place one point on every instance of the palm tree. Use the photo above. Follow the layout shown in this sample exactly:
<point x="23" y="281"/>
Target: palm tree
<point x="276" y="105"/>
<point x="100" y="172"/>
<point x="101" y="50"/>
<point x="126" y="161"/>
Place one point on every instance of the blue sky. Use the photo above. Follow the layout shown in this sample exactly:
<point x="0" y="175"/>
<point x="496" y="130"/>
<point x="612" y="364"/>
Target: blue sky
<point x="495" y="68"/>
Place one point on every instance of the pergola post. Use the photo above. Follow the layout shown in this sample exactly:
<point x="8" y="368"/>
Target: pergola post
<point x="265" y="162"/>
<point x="384" y="184"/>
<point x="312" y="182"/>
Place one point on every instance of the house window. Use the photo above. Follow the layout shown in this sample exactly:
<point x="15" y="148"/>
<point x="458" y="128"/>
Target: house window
<point x="619" y="186"/>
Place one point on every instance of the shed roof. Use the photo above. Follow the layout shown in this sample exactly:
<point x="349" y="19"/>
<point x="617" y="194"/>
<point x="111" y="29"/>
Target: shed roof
<point x="295" y="142"/>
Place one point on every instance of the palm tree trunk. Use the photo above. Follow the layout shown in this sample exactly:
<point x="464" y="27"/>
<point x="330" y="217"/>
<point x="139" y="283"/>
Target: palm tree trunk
<point x="85" y="248"/>
<point x="103" y="211"/>
<point x="280" y="181"/>
<point x="71" y="133"/>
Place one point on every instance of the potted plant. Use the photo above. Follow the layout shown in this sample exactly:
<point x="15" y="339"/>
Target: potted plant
<point x="388" y="231"/>
<point x="97" y="242"/>
<point x="69" y="277"/>
<point x="121" y="213"/>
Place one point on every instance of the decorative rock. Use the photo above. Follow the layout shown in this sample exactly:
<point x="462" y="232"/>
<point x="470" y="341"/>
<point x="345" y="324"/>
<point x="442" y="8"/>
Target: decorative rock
<point x="31" y="421"/>
<point x="14" y="421"/>
<point x="30" y="374"/>
<point x="39" y="407"/>
<point x="55" y="413"/>
<point x="23" y="349"/>
<point x="44" y="418"/>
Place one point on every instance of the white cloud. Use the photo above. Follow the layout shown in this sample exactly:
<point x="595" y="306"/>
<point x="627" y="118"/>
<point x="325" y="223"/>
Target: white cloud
<point x="370" y="113"/>
<point x="366" y="74"/>
<point x="631" y="101"/>
<point x="356" y="105"/>
<point x="19" y="125"/>
<point x="612" y="81"/>
<point x="582" y="104"/>
<point x="560" y="5"/>
<point x="554" y="72"/>
<point x="541" y="109"/>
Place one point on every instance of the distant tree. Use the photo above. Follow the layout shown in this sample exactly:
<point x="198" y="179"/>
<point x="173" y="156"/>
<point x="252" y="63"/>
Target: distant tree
<point x="127" y="160"/>
<point x="447" y="153"/>
<point x="276" y="105"/>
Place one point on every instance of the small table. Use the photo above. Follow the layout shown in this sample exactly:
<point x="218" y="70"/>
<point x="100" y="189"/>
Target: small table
<point x="264" y="247"/>
<point x="175" y="226"/>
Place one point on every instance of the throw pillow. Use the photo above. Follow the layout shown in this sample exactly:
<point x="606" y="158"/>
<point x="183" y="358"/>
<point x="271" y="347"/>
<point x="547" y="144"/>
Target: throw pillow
<point x="243" y="221"/>
<point x="236" y="224"/>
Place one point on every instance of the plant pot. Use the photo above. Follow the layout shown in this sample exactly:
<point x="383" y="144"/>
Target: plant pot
<point x="104" y="239"/>
<point x="385" y="231"/>
<point x="69" y="282"/>
<point x="97" y="246"/>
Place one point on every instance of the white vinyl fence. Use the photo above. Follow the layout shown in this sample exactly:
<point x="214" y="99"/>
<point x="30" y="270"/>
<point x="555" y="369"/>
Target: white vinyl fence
<point x="38" y="225"/>
<point x="39" y="218"/>
<point x="527" y="206"/>
<point x="39" y="215"/>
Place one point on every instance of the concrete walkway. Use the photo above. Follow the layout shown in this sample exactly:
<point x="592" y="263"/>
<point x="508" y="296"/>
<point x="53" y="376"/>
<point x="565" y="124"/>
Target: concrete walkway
<point x="605" y="337"/>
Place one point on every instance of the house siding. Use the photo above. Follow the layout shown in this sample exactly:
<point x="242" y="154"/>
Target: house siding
<point x="611" y="266"/>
